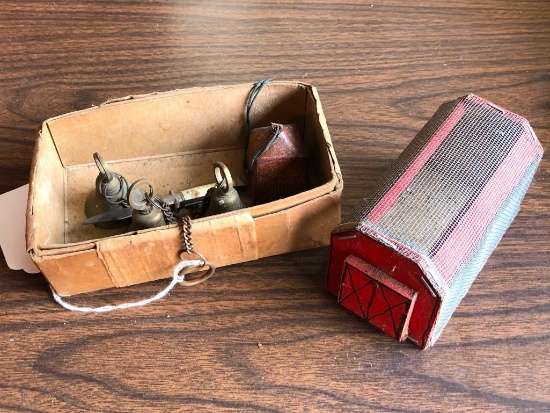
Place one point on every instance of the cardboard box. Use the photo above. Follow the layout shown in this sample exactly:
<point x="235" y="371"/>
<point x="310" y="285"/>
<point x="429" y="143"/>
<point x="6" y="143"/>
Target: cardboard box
<point x="172" y="139"/>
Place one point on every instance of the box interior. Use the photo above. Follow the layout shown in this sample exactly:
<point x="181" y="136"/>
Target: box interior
<point x="171" y="139"/>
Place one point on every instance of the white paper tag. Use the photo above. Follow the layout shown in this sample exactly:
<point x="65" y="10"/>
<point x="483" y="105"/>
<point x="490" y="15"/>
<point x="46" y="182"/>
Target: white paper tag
<point x="13" y="206"/>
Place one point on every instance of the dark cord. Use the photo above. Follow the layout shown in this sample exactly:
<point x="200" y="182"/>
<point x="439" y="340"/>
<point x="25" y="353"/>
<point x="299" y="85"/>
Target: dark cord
<point x="254" y="92"/>
<point x="277" y="129"/>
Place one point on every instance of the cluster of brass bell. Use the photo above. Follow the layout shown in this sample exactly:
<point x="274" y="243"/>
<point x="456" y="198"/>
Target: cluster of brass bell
<point x="147" y="212"/>
<point x="222" y="197"/>
<point x="115" y="204"/>
<point x="111" y="190"/>
<point x="275" y="165"/>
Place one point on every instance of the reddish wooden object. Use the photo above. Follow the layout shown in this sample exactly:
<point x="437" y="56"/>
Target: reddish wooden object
<point x="430" y="224"/>
<point x="281" y="171"/>
<point x="377" y="297"/>
<point x="400" y="290"/>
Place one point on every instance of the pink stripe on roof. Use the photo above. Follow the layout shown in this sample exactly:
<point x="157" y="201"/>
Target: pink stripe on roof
<point x="473" y="225"/>
<point x="405" y="179"/>
<point x="503" y="112"/>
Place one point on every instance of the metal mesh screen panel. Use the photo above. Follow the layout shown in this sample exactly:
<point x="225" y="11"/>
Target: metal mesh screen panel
<point x="477" y="259"/>
<point x="448" y="199"/>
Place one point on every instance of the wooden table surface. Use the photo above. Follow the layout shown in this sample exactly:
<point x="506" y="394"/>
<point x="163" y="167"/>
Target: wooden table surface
<point x="382" y="69"/>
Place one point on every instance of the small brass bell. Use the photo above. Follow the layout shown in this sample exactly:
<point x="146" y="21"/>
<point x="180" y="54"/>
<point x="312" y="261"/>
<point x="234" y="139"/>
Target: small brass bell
<point x="146" y="213"/>
<point x="223" y="196"/>
<point x="109" y="194"/>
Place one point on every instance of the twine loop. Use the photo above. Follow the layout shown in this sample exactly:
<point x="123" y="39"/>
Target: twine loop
<point x="190" y="260"/>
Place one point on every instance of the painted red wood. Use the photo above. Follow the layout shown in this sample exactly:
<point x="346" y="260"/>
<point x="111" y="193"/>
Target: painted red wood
<point x="377" y="297"/>
<point x="351" y="242"/>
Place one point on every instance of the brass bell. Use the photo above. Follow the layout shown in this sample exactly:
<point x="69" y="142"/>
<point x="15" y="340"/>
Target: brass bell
<point x="109" y="194"/>
<point x="145" y="214"/>
<point x="223" y="195"/>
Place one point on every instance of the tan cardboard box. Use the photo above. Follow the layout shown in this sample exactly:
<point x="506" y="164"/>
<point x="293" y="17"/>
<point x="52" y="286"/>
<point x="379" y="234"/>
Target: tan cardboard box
<point x="172" y="138"/>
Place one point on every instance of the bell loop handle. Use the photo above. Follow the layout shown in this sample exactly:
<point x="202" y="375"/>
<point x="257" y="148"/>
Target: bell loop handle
<point x="137" y="200"/>
<point x="101" y="165"/>
<point x="224" y="180"/>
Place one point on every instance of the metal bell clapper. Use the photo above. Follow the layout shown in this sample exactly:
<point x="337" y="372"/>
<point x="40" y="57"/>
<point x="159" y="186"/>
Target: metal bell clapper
<point x="146" y="213"/>
<point x="109" y="194"/>
<point x="223" y="196"/>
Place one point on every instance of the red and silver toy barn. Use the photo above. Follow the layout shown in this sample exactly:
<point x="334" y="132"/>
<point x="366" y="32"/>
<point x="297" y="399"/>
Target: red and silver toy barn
<point x="408" y="257"/>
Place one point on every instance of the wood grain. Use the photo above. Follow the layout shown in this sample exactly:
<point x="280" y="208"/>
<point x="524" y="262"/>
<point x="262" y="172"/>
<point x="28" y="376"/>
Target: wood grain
<point x="382" y="69"/>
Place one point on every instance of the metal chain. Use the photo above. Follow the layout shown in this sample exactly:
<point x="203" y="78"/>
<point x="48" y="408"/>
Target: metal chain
<point x="167" y="212"/>
<point x="186" y="235"/>
<point x="157" y="202"/>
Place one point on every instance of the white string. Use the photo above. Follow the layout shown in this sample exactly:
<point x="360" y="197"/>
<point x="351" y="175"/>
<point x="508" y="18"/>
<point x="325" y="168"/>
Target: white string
<point x="177" y="277"/>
